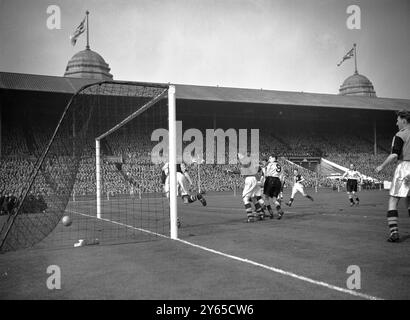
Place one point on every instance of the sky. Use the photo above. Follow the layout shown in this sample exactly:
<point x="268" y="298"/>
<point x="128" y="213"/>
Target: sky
<point x="289" y="45"/>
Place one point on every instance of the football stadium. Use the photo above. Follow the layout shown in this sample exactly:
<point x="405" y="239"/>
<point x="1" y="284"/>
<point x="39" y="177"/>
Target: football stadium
<point x="82" y="191"/>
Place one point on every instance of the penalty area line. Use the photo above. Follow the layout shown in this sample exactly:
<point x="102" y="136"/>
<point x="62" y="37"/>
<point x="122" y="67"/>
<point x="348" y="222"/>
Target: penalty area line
<point x="251" y="262"/>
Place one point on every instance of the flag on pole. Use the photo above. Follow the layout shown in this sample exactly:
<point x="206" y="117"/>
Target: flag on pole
<point x="347" y="56"/>
<point x="80" y="29"/>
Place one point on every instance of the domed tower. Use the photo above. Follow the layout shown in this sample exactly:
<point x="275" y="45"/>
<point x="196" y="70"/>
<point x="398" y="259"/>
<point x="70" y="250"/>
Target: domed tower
<point x="357" y="85"/>
<point x="88" y="64"/>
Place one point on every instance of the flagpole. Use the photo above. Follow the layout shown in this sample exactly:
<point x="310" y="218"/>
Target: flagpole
<point x="355" y="58"/>
<point x="88" y="43"/>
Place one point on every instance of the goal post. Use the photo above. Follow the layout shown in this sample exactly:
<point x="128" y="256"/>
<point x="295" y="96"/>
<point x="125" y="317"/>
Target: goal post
<point x="172" y="147"/>
<point x="115" y="128"/>
<point x="98" y="176"/>
<point x="102" y="122"/>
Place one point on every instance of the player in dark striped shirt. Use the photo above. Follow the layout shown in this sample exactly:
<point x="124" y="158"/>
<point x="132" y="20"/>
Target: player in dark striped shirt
<point x="400" y="186"/>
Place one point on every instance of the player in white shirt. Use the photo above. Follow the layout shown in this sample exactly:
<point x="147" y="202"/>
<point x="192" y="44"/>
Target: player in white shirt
<point x="353" y="178"/>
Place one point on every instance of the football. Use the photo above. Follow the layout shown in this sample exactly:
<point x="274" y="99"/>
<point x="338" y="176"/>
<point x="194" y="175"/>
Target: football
<point x="66" y="221"/>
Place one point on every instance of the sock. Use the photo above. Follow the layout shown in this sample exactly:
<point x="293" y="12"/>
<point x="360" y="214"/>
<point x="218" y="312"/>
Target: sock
<point x="309" y="197"/>
<point x="258" y="207"/>
<point x="260" y="202"/>
<point x="290" y="201"/>
<point x="188" y="198"/>
<point x="392" y="217"/>
<point x="351" y="200"/>
<point x="269" y="207"/>
<point x="277" y="206"/>
<point x="357" y="199"/>
<point x="248" y="207"/>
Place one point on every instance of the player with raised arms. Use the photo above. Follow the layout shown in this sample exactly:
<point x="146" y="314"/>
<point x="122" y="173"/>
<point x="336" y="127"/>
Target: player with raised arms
<point x="297" y="187"/>
<point x="353" y="178"/>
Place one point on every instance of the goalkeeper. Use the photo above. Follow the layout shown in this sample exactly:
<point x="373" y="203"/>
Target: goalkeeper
<point x="183" y="181"/>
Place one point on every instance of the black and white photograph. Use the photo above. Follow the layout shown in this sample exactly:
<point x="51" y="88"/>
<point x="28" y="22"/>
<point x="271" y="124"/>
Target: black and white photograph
<point x="204" y="155"/>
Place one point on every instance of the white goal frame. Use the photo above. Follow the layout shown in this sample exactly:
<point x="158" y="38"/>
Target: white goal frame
<point x="170" y="94"/>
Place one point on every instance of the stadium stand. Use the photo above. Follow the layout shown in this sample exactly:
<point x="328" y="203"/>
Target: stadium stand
<point x="17" y="161"/>
<point x="291" y="124"/>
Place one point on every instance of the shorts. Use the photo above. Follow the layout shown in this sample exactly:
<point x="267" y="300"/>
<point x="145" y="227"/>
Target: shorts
<point x="182" y="185"/>
<point x="400" y="184"/>
<point x="351" y="185"/>
<point x="297" y="187"/>
<point x="252" y="188"/>
<point x="272" y="187"/>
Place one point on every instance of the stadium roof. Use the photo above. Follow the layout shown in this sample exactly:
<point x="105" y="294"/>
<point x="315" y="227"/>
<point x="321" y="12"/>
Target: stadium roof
<point x="30" y="82"/>
<point x="33" y="82"/>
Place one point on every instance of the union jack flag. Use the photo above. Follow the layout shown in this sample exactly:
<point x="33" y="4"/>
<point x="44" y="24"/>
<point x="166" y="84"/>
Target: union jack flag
<point x="80" y="29"/>
<point x="347" y="56"/>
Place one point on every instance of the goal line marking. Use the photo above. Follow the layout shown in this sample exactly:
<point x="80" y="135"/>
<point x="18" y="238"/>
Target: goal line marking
<point x="247" y="261"/>
<point x="121" y="224"/>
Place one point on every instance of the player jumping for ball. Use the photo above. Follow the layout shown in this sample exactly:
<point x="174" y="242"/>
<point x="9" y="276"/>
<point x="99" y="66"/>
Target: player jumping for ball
<point x="252" y="190"/>
<point x="297" y="187"/>
<point x="183" y="182"/>
<point x="353" y="178"/>
<point x="400" y="186"/>
<point x="272" y="186"/>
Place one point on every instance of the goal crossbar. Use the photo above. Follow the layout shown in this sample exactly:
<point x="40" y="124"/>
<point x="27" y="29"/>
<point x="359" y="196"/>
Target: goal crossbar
<point x="142" y="109"/>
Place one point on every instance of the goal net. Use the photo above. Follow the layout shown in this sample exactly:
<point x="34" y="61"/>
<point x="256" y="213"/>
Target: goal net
<point x="98" y="169"/>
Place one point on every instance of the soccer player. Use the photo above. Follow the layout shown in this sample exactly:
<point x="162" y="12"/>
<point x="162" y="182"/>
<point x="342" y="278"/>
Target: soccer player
<point x="260" y="181"/>
<point x="184" y="181"/>
<point x="400" y="186"/>
<point x="252" y="189"/>
<point x="297" y="187"/>
<point x="272" y="186"/>
<point x="283" y="181"/>
<point x="353" y="178"/>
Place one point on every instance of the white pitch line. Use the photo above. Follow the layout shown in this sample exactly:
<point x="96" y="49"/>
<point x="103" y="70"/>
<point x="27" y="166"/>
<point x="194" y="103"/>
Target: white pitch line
<point x="251" y="262"/>
<point x="280" y="271"/>
<point x="121" y="224"/>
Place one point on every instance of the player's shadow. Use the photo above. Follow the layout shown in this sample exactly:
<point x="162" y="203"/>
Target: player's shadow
<point x="404" y="238"/>
<point x="298" y="216"/>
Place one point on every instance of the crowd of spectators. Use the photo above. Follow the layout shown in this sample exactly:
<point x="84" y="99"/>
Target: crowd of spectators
<point x="32" y="204"/>
<point x="18" y="161"/>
